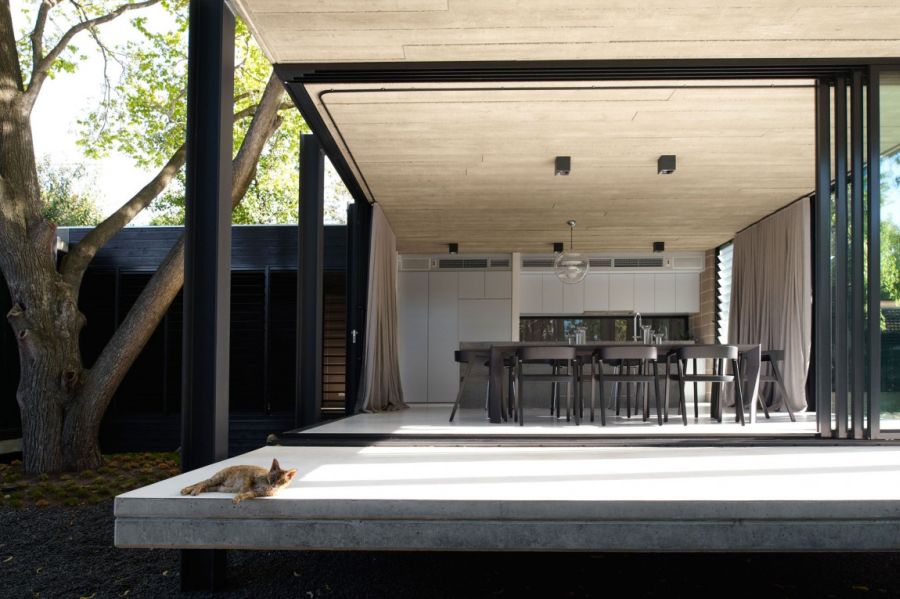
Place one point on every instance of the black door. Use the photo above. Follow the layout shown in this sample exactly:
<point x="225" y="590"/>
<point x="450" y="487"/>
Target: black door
<point x="359" y="226"/>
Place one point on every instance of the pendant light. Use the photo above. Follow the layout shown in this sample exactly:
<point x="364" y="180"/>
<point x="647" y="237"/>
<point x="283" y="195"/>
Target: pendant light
<point x="569" y="266"/>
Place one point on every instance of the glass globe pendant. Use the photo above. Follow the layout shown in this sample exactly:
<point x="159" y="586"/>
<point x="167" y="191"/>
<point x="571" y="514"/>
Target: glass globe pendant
<point x="570" y="266"/>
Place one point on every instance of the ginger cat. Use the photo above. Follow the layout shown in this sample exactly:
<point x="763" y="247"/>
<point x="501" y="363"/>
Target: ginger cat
<point x="247" y="481"/>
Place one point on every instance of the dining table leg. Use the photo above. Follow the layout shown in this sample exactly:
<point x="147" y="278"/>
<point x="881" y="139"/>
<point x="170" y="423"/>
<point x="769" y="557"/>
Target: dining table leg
<point x="495" y="385"/>
<point x="750" y="378"/>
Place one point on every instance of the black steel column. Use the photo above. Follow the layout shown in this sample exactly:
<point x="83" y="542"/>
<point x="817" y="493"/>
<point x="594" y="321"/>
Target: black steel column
<point x="841" y="357"/>
<point x="822" y="259"/>
<point x="207" y="259"/>
<point x="873" y="137"/>
<point x="857" y="267"/>
<point x="310" y="289"/>
<point x="359" y="232"/>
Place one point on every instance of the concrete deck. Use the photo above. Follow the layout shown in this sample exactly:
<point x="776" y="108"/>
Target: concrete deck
<point x="803" y="498"/>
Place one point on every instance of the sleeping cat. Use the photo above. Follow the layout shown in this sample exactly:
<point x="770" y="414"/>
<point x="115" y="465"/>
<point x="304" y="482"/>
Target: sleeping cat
<point x="246" y="481"/>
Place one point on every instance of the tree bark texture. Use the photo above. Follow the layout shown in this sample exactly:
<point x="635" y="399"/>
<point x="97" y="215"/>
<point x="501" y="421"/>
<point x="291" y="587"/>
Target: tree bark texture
<point x="61" y="402"/>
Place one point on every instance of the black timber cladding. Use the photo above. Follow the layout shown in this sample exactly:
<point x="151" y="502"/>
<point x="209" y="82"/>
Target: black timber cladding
<point x="144" y="413"/>
<point x="253" y="247"/>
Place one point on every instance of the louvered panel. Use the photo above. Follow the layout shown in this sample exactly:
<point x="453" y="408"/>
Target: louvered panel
<point x="724" y="267"/>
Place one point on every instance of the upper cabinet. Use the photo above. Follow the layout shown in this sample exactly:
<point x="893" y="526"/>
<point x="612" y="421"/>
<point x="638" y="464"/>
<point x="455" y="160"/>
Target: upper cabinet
<point x="596" y="292"/>
<point x="664" y="293"/>
<point x="687" y="292"/>
<point x="621" y="292"/>
<point x="551" y="294"/>
<point x="643" y="293"/>
<point x="531" y="294"/>
<point x="498" y="284"/>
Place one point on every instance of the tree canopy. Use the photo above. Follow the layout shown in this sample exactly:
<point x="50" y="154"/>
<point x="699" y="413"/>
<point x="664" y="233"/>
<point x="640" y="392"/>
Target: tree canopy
<point x="144" y="114"/>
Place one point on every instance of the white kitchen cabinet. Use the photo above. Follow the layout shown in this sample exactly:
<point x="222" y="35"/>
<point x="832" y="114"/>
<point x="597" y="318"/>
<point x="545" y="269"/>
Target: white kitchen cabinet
<point x="551" y="294"/>
<point x="621" y="292"/>
<point x="412" y="332"/>
<point x="471" y="285"/>
<point x="643" y="293"/>
<point x="485" y="320"/>
<point x="573" y="298"/>
<point x="596" y="292"/>
<point x="530" y="293"/>
<point x="443" y="339"/>
<point x="687" y="292"/>
<point x="498" y="284"/>
<point x="664" y="293"/>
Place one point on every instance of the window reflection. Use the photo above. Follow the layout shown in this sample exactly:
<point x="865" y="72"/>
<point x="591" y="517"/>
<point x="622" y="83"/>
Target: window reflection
<point x="599" y="328"/>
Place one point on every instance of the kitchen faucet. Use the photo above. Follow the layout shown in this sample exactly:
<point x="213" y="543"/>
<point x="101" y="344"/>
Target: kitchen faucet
<point x="638" y="323"/>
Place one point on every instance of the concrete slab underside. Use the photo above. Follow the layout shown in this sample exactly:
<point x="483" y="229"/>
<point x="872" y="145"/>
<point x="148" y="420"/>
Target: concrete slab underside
<point x="546" y="499"/>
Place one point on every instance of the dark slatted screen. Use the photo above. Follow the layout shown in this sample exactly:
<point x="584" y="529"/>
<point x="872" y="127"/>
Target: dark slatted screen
<point x="334" y="357"/>
<point x="282" y="340"/>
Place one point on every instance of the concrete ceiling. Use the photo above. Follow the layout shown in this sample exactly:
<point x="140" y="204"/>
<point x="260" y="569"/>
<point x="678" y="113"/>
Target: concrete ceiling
<point x="465" y="163"/>
<point x="292" y="31"/>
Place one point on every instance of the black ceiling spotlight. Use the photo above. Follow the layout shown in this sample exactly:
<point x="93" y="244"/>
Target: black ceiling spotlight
<point x="666" y="164"/>
<point x="558" y="247"/>
<point x="453" y="248"/>
<point x="562" y="165"/>
<point x="659" y="246"/>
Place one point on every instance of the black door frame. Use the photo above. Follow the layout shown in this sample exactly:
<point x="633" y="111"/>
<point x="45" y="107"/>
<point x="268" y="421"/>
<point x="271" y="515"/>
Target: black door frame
<point x="853" y="74"/>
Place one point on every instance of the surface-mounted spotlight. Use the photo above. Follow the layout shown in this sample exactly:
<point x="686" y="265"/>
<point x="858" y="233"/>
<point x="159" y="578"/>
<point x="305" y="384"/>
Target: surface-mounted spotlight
<point x="562" y="165"/>
<point x="558" y="247"/>
<point x="666" y="164"/>
<point x="659" y="246"/>
<point x="453" y="248"/>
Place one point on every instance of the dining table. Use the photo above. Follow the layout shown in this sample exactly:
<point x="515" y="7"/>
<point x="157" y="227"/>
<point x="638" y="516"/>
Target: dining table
<point x="498" y="351"/>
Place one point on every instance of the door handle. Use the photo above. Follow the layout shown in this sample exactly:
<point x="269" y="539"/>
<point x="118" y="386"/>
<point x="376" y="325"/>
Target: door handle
<point x="353" y="335"/>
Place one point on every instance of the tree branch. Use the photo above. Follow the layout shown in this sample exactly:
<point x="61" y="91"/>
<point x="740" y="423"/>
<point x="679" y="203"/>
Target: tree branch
<point x="153" y="302"/>
<point x="37" y="34"/>
<point x="76" y="262"/>
<point x="41" y="68"/>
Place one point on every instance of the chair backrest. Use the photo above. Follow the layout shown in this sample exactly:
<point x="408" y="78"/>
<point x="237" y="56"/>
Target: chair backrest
<point x="772" y="355"/>
<point x="708" y="352"/>
<point x="464" y="356"/>
<point x="534" y="353"/>
<point x="626" y="352"/>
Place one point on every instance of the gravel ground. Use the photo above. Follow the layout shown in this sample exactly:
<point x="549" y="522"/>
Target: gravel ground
<point x="68" y="552"/>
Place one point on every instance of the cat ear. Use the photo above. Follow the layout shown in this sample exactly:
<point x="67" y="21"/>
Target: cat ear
<point x="291" y="473"/>
<point x="275" y="466"/>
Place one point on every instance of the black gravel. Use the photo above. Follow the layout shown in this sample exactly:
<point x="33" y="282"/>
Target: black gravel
<point x="68" y="552"/>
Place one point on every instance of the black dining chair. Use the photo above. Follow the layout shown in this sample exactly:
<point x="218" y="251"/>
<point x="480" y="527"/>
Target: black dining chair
<point x="470" y="358"/>
<point x="772" y="357"/>
<point x="642" y="357"/>
<point x="719" y="355"/>
<point x="560" y="358"/>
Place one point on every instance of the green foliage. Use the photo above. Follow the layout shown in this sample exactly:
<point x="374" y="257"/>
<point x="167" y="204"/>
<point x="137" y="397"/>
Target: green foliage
<point x="890" y="261"/>
<point x="144" y="117"/>
<point x="67" y="194"/>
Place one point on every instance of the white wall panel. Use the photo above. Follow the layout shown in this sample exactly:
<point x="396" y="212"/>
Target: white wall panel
<point x="412" y="330"/>
<point x="621" y="292"/>
<point x="573" y="298"/>
<point x="664" y="293"/>
<point x="443" y="339"/>
<point x="531" y="293"/>
<point x="687" y="292"/>
<point x="485" y="320"/>
<point x="471" y="285"/>
<point x="551" y="294"/>
<point x="596" y="292"/>
<point x="498" y="284"/>
<point x="643" y="293"/>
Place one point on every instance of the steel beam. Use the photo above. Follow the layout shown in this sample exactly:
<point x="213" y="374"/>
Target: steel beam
<point x="873" y="137"/>
<point x="310" y="287"/>
<point x="207" y="259"/>
<point x="822" y="259"/>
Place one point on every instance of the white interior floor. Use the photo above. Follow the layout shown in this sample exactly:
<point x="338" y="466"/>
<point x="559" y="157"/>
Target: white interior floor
<point x="433" y="419"/>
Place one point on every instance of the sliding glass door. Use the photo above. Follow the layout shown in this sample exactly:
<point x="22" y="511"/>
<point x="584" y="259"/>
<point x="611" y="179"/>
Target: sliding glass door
<point x="887" y="216"/>
<point x="857" y="254"/>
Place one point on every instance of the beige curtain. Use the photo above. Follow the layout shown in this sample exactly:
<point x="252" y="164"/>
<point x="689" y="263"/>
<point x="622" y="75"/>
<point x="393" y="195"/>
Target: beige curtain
<point x="771" y="293"/>
<point x="380" y="390"/>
